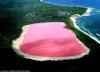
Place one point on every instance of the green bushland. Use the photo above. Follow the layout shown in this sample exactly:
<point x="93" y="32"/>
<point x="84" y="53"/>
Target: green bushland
<point x="13" y="18"/>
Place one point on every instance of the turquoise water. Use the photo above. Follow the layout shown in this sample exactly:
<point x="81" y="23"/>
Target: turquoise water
<point x="89" y="24"/>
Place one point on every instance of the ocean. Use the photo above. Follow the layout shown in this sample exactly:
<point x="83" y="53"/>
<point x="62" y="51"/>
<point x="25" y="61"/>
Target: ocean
<point x="90" y="24"/>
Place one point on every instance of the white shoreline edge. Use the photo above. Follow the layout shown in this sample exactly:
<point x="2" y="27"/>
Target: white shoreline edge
<point x="18" y="41"/>
<point x="75" y="16"/>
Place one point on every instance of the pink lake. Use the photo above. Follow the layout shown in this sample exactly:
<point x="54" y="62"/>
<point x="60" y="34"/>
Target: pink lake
<point x="51" y="39"/>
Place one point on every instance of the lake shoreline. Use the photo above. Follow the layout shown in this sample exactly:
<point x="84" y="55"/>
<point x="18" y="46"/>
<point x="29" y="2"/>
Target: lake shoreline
<point x="17" y="42"/>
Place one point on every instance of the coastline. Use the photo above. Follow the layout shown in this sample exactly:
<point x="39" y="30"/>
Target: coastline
<point x="75" y="16"/>
<point x="88" y="11"/>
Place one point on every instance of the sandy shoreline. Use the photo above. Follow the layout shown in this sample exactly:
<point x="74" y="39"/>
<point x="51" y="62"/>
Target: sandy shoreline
<point x="74" y="17"/>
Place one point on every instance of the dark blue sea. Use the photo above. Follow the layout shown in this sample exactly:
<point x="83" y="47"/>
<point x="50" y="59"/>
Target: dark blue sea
<point x="90" y="24"/>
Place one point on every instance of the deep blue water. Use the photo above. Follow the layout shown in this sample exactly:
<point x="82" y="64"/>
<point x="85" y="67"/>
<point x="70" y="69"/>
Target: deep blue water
<point x="90" y="24"/>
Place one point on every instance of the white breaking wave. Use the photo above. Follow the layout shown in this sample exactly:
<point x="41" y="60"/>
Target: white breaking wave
<point x="97" y="34"/>
<point x="41" y="0"/>
<point x="98" y="10"/>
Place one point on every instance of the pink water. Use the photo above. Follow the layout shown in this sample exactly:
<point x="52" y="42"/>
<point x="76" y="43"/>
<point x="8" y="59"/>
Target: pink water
<point x="50" y="39"/>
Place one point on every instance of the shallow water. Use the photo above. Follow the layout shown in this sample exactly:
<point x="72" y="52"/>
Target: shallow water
<point x="90" y="24"/>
